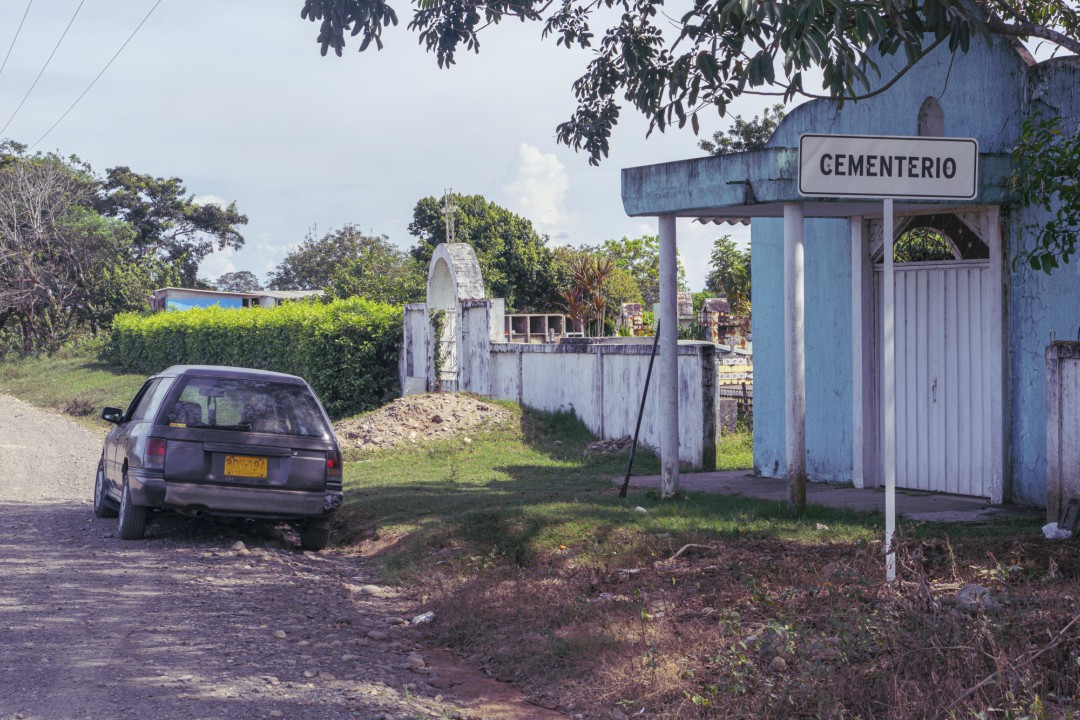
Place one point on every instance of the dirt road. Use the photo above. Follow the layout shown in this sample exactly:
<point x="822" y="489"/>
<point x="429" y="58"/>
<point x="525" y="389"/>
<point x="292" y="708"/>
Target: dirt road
<point x="196" y="621"/>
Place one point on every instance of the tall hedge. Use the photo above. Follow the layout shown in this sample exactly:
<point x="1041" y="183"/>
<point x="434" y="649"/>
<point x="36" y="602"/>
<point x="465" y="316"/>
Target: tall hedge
<point x="347" y="350"/>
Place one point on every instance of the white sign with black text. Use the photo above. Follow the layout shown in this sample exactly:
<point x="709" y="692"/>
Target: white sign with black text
<point x="887" y="166"/>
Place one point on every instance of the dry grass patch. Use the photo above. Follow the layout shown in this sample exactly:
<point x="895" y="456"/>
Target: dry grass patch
<point x="771" y="629"/>
<point x="541" y="574"/>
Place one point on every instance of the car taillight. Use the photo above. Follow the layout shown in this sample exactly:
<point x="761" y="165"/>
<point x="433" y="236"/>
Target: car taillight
<point x="154" y="458"/>
<point x="333" y="465"/>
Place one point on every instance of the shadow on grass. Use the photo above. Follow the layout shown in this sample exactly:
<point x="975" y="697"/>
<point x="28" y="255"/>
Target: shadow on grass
<point x="104" y="367"/>
<point x="530" y="491"/>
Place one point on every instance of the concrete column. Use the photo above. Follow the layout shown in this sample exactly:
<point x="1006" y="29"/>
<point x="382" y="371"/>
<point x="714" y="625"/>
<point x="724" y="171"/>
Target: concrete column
<point x="865" y="459"/>
<point x="668" y="389"/>
<point x="794" y="358"/>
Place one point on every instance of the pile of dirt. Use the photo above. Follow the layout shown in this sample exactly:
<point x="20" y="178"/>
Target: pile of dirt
<point x="418" y="418"/>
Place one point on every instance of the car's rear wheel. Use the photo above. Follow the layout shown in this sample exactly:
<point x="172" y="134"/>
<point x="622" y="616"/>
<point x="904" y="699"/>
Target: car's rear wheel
<point x="103" y="507"/>
<point x="314" y="535"/>
<point x="132" y="517"/>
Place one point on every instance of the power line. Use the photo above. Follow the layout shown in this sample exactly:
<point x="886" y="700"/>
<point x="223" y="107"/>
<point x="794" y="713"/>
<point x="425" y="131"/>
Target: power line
<point x="43" y="67"/>
<point x="17" y="31"/>
<point x="98" y="77"/>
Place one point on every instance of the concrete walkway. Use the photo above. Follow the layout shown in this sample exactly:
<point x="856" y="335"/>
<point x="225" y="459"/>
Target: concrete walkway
<point x="910" y="504"/>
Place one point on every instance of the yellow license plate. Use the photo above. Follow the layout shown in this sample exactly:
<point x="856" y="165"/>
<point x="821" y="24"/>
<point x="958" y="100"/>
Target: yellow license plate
<point x="245" y="466"/>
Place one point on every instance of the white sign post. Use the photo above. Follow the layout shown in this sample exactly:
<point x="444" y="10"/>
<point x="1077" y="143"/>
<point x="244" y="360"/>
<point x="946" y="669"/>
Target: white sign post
<point x="888" y="167"/>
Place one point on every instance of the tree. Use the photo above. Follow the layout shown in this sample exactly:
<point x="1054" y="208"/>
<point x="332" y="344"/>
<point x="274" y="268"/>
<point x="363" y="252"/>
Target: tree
<point x="64" y="267"/>
<point x="380" y="272"/>
<point x="579" y="288"/>
<point x="239" y="281"/>
<point x="168" y="223"/>
<point x="671" y="68"/>
<point x="922" y="245"/>
<point x="1047" y="166"/>
<point x="577" y="295"/>
<point x="745" y="135"/>
<point x="313" y="263"/>
<point x="730" y="274"/>
<point x="640" y="258"/>
<point x="347" y="262"/>
<point x="515" y="261"/>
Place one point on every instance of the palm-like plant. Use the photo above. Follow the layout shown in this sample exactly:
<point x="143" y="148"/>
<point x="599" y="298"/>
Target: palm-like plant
<point x="601" y="270"/>
<point x="574" y="305"/>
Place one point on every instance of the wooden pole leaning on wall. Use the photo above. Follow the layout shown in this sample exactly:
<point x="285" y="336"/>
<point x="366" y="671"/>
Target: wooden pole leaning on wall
<point x="641" y="412"/>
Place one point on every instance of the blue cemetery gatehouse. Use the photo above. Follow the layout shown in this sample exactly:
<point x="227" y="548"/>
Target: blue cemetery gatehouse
<point x="971" y="327"/>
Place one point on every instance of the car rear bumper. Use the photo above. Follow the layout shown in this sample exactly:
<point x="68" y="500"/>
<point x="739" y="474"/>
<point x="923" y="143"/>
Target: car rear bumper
<point x="223" y="500"/>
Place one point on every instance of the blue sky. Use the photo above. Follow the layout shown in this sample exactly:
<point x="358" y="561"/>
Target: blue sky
<point x="234" y="98"/>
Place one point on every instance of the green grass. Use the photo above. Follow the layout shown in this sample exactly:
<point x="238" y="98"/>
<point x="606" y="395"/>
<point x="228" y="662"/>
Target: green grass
<point x="735" y="451"/>
<point x="526" y="491"/>
<point x="520" y="493"/>
<point x="526" y="494"/>
<point x="72" y="381"/>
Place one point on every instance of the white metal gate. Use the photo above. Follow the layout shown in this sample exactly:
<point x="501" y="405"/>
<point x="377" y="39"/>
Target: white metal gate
<point x="944" y="375"/>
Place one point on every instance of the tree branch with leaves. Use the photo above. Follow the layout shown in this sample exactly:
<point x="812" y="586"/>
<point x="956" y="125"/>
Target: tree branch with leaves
<point x="670" y="68"/>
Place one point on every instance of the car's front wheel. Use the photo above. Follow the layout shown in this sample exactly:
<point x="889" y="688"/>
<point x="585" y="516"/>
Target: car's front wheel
<point x="314" y="535"/>
<point x="103" y="507"/>
<point x="132" y="517"/>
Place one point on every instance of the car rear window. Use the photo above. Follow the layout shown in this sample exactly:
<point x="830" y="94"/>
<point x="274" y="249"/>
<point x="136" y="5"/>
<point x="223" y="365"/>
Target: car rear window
<point x="246" y="405"/>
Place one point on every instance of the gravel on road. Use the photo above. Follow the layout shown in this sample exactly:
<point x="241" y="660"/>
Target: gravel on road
<point x="199" y="620"/>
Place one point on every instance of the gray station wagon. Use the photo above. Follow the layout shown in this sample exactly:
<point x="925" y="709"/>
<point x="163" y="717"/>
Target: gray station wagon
<point x="221" y="441"/>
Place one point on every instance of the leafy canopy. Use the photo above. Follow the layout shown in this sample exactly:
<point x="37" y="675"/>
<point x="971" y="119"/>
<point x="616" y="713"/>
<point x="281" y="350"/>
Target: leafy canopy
<point x="1047" y="171"/>
<point x="729" y="274"/>
<point x="239" y="281"/>
<point x="922" y="244"/>
<point x="745" y="135"/>
<point x="671" y="67"/>
<point x="65" y="267"/>
<point x="640" y="259"/>
<point x="380" y="272"/>
<point x="592" y="289"/>
<point x="350" y="263"/>
<point x="516" y="263"/>
<point x="168" y="222"/>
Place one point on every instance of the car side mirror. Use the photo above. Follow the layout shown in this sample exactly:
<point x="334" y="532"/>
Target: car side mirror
<point x="113" y="415"/>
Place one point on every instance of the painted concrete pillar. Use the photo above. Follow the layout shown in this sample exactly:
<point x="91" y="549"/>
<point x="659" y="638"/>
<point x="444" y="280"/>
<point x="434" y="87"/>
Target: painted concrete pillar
<point x="864" y="466"/>
<point x="794" y="356"/>
<point x="668" y="389"/>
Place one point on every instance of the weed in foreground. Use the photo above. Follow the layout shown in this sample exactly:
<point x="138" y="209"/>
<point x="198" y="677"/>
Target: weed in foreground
<point x="760" y="627"/>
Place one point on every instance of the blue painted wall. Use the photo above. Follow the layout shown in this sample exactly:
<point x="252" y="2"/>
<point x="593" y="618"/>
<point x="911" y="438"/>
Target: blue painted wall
<point x="827" y="302"/>
<point x="767" y="308"/>
<point x="202" y="302"/>
<point x="985" y="95"/>
<point x="1039" y="304"/>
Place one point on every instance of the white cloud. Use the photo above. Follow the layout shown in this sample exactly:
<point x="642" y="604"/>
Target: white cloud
<point x="538" y="190"/>
<point x="217" y="264"/>
<point x="209" y="200"/>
